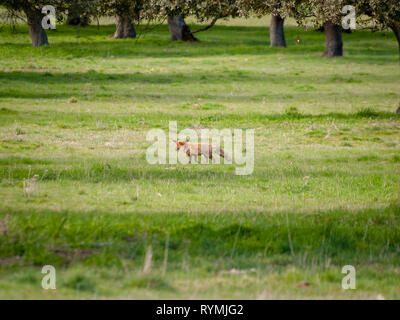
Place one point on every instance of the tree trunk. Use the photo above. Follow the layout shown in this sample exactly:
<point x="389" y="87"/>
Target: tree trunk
<point x="124" y="28"/>
<point x="395" y="26"/>
<point x="179" y="30"/>
<point x="37" y="33"/>
<point x="276" y="32"/>
<point x="333" y="42"/>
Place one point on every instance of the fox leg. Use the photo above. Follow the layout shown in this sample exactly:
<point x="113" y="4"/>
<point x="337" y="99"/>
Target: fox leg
<point x="212" y="158"/>
<point x="188" y="153"/>
<point x="207" y="156"/>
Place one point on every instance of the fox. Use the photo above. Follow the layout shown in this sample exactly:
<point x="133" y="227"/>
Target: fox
<point x="196" y="149"/>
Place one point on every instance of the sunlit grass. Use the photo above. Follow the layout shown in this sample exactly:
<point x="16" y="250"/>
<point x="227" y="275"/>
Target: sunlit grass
<point x="324" y="192"/>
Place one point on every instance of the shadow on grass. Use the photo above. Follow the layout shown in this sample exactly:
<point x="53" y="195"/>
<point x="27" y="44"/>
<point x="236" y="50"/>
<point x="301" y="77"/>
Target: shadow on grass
<point x="239" y="240"/>
<point x="219" y="40"/>
<point x="219" y="75"/>
<point x="142" y="120"/>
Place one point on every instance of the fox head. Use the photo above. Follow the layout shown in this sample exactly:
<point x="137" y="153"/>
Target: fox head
<point x="179" y="144"/>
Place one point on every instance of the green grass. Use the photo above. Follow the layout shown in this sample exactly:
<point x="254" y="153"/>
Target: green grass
<point x="324" y="192"/>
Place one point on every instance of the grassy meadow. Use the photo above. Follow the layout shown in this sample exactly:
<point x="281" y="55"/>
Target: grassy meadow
<point x="324" y="192"/>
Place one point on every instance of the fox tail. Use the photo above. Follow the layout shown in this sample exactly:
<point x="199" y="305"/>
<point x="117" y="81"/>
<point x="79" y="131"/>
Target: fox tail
<point x="221" y="153"/>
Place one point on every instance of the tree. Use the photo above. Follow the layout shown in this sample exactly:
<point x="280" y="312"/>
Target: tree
<point x="34" y="15"/>
<point x="384" y="14"/>
<point x="126" y="12"/>
<point x="275" y="9"/>
<point x="322" y="12"/>
<point x="179" y="30"/>
<point x="176" y="10"/>
<point x="276" y="31"/>
<point x="124" y="28"/>
<point x="36" y="31"/>
<point x="78" y="14"/>
<point x="333" y="39"/>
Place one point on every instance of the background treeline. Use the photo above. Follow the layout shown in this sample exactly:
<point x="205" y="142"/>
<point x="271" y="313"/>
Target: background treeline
<point x="323" y="14"/>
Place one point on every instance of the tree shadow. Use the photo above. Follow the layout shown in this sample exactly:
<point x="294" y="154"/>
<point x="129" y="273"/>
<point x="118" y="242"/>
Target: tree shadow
<point x="51" y="85"/>
<point x="363" y="46"/>
<point x="337" y="235"/>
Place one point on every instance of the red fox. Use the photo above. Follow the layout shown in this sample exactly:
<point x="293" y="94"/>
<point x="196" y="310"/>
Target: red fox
<point x="196" y="149"/>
